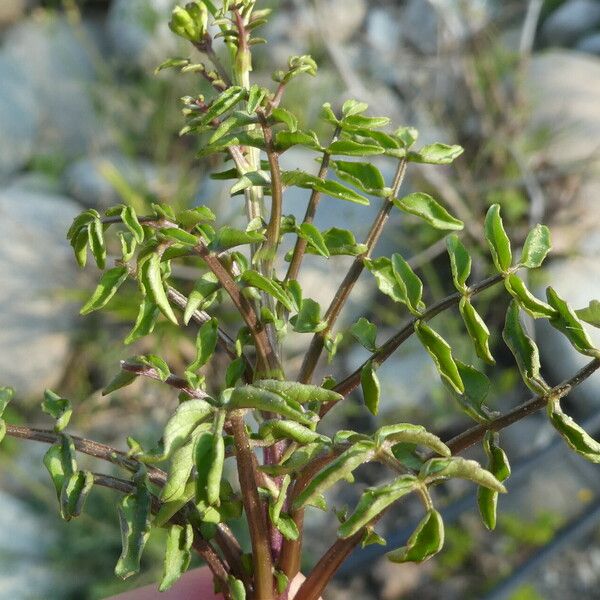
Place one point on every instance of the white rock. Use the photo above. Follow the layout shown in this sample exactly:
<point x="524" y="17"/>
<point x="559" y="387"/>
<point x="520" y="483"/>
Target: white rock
<point x="36" y="270"/>
<point x="571" y="21"/>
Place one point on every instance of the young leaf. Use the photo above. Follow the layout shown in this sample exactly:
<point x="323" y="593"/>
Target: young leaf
<point x="338" y="469"/>
<point x="524" y="349"/>
<point x="568" y="323"/>
<point x="97" y="243"/>
<point x="460" y="262"/>
<point x="407" y="433"/>
<point x="151" y="279"/>
<point x="575" y="436"/>
<point x="498" y="465"/>
<point x="590" y="314"/>
<point x="58" y="408"/>
<point x="206" y="342"/>
<point x="298" y="393"/>
<point x="365" y="333"/>
<point x="536" y="247"/>
<point x="411" y="283"/>
<point x="308" y="232"/>
<point x="441" y="353"/>
<point x="477" y="330"/>
<point x="271" y="287"/>
<point x="281" y="429"/>
<point x="177" y="555"/>
<point x="365" y="176"/>
<point x="202" y="296"/>
<point x="224" y="102"/>
<point x="203" y="458"/>
<point x="228" y="237"/>
<point x="74" y="493"/>
<point x="110" y="282"/>
<point x="6" y="395"/>
<point x="180" y="469"/>
<point x="286" y="139"/>
<point x="308" y="319"/>
<point x="80" y="244"/>
<point x="444" y="468"/>
<point x="424" y="206"/>
<point x="215" y="470"/>
<point x="236" y="586"/>
<point x="477" y="387"/>
<point x="134" y="518"/>
<point x="179" y="236"/>
<point x="325" y="186"/>
<point x="353" y="107"/>
<point x="352" y="148"/>
<point x="130" y="221"/>
<point x="235" y="121"/>
<point x="527" y="301"/>
<point x="436" y="154"/>
<point x="281" y="115"/>
<point x="287" y="526"/>
<point x="341" y="242"/>
<point x="497" y="239"/>
<point x="375" y="500"/>
<point x="370" y="388"/>
<point x="145" y="321"/>
<point x="426" y="541"/>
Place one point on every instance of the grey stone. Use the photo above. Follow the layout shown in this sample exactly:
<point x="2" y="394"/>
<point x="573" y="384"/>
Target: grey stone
<point x="419" y="22"/>
<point x="139" y="31"/>
<point x="36" y="270"/>
<point x="590" y="44"/>
<point x="571" y="21"/>
<point x="341" y="19"/>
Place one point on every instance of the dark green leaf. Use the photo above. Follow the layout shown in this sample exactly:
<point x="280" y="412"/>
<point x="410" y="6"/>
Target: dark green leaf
<point x="235" y="121"/>
<point x="460" y="262"/>
<point x="497" y="239"/>
<point x="413" y="286"/>
<point x="235" y="371"/>
<point x="110" y="282"/>
<point x="299" y="393"/>
<point x="281" y="115"/>
<point x="228" y="237"/>
<point x="180" y="469"/>
<point x="331" y="188"/>
<point x="426" y="541"/>
<point x="74" y="493"/>
<point x="97" y="243"/>
<point x="308" y="319"/>
<point x="370" y="388"/>
<point x="206" y="342"/>
<point x="568" y="323"/>
<point x="152" y="281"/>
<point x="527" y="301"/>
<point x="215" y="470"/>
<point x="352" y="148"/>
<point x="436" y="154"/>
<point x="477" y="330"/>
<point x="524" y="349"/>
<point x="365" y="333"/>
<point x="202" y="296"/>
<point x="364" y="176"/>
<point x="177" y="555"/>
<point x="424" y="206"/>
<point x="286" y="139"/>
<point x="58" y="408"/>
<point x="145" y="321"/>
<point x="271" y="287"/>
<point x="441" y="353"/>
<point x="342" y="242"/>
<point x="180" y="236"/>
<point x="130" y="221"/>
<point x="477" y="387"/>
<point x="536" y="247"/>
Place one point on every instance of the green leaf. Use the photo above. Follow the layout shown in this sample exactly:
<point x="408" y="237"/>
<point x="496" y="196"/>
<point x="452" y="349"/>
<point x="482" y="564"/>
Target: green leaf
<point x="441" y="353"/>
<point x="407" y="433"/>
<point x="339" y="468"/>
<point x="128" y="245"/>
<point x="236" y="588"/>
<point x="364" y="176"/>
<point x="235" y="371"/>
<point x="74" y="493"/>
<point x="497" y="239"/>
<point x="374" y="501"/>
<point x="235" y="121"/>
<point x="58" y="408"/>
<point x="172" y="63"/>
<point x="206" y="342"/>
<point x="6" y="395"/>
<point x="286" y="139"/>
<point x="460" y="262"/>
<point x="477" y="330"/>
<point x="498" y="465"/>
<point x="527" y="301"/>
<point x="477" y="387"/>
<point x="224" y="102"/>
<point x="308" y="319"/>
<point x="194" y="216"/>
<point x="110" y="282"/>
<point x="180" y="236"/>
<point x="352" y="148"/>
<point x="156" y="363"/>
<point x="331" y="188"/>
<point x="97" y="243"/>
<point x="365" y="333"/>
<point x="436" y="154"/>
<point x="281" y="115"/>
<point x="342" y="242"/>
<point x="370" y="388"/>
<point x="308" y="232"/>
<point x="536" y="247"/>
<point x="575" y="436"/>
<point x="286" y="525"/>
<point x="177" y="555"/>
<point x="130" y="221"/>
<point x="134" y="519"/>
<point x="203" y="457"/>
<point x="145" y="321"/>
<point x="228" y="237"/>
<point x="152" y="281"/>
<point x="251" y="179"/>
<point x="180" y="469"/>
<point x="436" y="469"/>
<point x="407" y="135"/>
<point x="524" y="349"/>
<point x="122" y="379"/>
<point x="591" y="314"/>
<point x="249" y="396"/>
<point x="80" y="243"/>
<point x="202" y="296"/>
<point x="350" y="122"/>
<point x="281" y="429"/>
<point x="568" y="323"/>
<point x="271" y="287"/>
<point x="353" y="107"/>
<point x="253" y="139"/>
<point x="424" y="206"/>
<point x="215" y="470"/>
<point x="411" y="283"/>
<point x="299" y="393"/>
<point x="426" y="541"/>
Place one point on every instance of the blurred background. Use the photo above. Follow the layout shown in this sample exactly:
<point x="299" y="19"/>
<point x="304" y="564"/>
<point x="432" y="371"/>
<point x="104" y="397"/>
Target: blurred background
<point x="84" y="122"/>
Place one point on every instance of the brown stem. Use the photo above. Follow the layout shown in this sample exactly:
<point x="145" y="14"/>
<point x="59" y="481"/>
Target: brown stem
<point x="316" y="347"/>
<point x="311" y="211"/>
<point x="268" y="360"/>
<point x="247" y="473"/>
<point x="324" y="570"/>
<point x="350" y="383"/>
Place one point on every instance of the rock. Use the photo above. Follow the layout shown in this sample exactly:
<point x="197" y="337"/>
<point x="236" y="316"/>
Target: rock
<point x="577" y="280"/>
<point x="590" y="44"/>
<point x="11" y="11"/>
<point x="60" y="81"/>
<point x="36" y="270"/>
<point x="19" y="119"/>
<point x="342" y="18"/>
<point x="86" y="182"/>
<point x="419" y="22"/>
<point x="139" y="31"/>
<point x="571" y="21"/>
